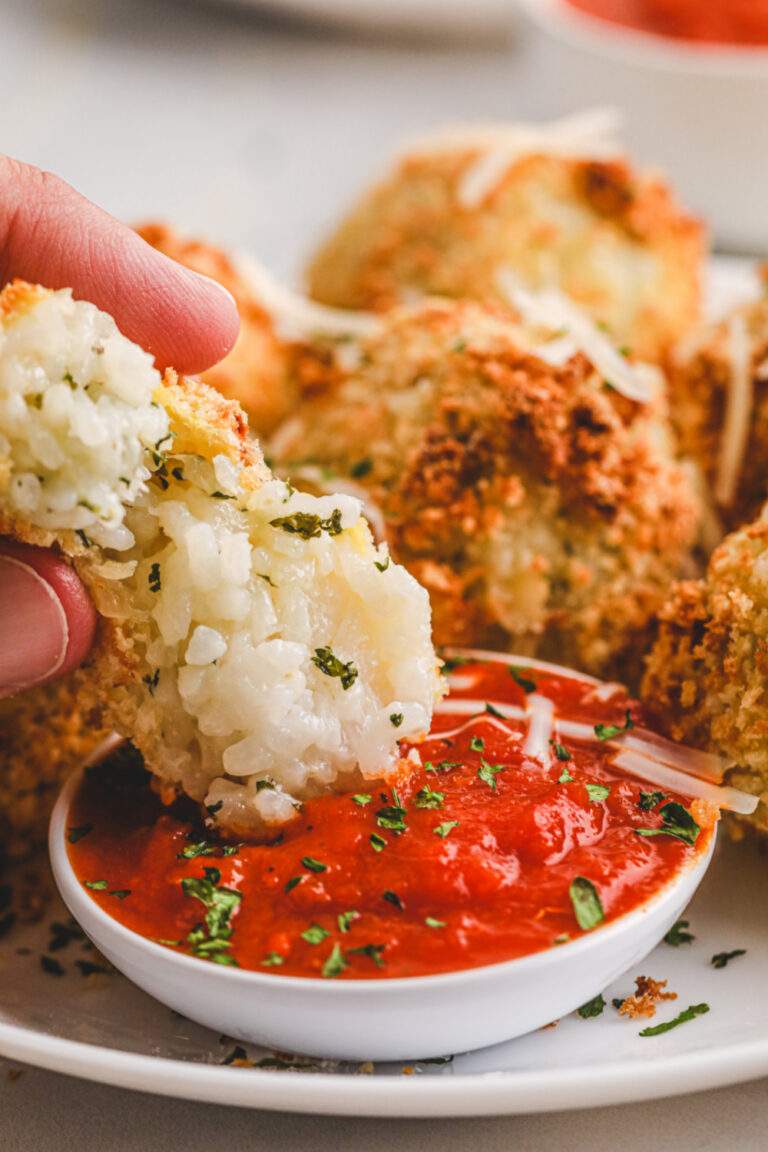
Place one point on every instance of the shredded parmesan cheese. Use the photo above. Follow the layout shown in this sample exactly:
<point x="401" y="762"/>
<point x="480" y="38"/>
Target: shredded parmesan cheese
<point x="553" y="312"/>
<point x="738" y="411"/>
<point x="542" y="718"/>
<point x="666" y="777"/>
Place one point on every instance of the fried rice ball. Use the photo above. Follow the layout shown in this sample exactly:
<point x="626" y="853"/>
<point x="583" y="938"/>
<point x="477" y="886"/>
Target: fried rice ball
<point x="706" y="680"/>
<point x="543" y="510"/>
<point x="256" y="371"/>
<point x="558" y="212"/>
<point x="253" y="641"/>
<point x="719" y="402"/>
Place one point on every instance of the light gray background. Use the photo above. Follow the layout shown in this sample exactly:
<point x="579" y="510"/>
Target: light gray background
<point x="255" y="133"/>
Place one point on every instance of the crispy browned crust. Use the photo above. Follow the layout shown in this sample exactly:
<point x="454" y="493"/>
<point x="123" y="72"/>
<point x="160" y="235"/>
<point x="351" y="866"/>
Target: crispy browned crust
<point x="699" y="383"/>
<point x="255" y="372"/>
<point x="507" y="452"/>
<point x="706" y="678"/>
<point x="410" y="232"/>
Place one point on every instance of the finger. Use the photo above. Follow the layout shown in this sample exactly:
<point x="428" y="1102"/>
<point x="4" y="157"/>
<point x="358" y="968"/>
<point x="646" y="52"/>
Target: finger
<point x="47" y="622"/>
<point x="51" y="235"/>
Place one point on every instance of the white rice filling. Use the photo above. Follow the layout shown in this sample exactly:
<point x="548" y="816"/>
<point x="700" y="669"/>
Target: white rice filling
<point x="76" y="416"/>
<point x="283" y="659"/>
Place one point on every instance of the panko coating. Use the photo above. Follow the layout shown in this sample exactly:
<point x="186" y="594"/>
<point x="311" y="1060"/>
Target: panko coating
<point x="558" y="210"/>
<point x="255" y="373"/>
<point x="706" y="681"/>
<point x="544" y="511"/>
<point x="253" y="642"/>
<point x="719" y="404"/>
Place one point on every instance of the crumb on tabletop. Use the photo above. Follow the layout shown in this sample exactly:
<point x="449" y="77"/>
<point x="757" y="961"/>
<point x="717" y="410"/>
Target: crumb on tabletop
<point x="642" y="1002"/>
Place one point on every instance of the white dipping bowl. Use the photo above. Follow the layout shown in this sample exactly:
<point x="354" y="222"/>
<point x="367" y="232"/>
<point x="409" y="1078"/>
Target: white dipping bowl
<point x="382" y="1019"/>
<point x="697" y="111"/>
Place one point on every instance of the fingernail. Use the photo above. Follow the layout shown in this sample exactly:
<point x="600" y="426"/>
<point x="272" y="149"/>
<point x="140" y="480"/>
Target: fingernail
<point x="33" y="627"/>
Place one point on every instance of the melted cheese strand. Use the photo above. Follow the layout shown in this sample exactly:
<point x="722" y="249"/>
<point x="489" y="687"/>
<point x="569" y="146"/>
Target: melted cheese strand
<point x="638" y="765"/>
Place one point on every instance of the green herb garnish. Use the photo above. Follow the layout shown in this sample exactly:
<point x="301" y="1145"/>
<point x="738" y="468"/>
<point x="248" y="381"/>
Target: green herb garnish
<point x="445" y="829"/>
<point x="608" y="731"/>
<point x="493" y="711"/>
<point x="722" y="959"/>
<point x="426" y="798"/>
<point x="345" y="919"/>
<point x="334" y="963"/>
<point x="96" y="885"/>
<point x="154" y="579"/>
<point x="393" y="898"/>
<point x="372" y="951"/>
<point x="395" y="719"/>
<point x="477" y="744"/>
<point x="649" y="800"/>
<point x="381" y="565"/>
<point x="361" y="468"/>
<point x="313" y="865"/>
<point x="587" y="907"/>
<point x="592" y="1007"/>
<point x="362" y="798"/>
<point x="272" y="960"/>
<point x="522" y="680"/>
<point x="689" y="1014"/>
<point x="75" y="834"/>
<point x="597" y="793"/>
<point x="327" y="662"/>
<point x="291" y="884"/>
<point x="678" y="935"/>
<point x="432" y="923"/>
<point x="561" y="752"/>
<point x="678" y="822"/>
<point x="488" y="773"/>
<point x="315" y="934"/>
<point x="308" y="524"/>
<point x="378" y="843"/>
<point x="212" y="939"/>
<point x="565" y="777"/>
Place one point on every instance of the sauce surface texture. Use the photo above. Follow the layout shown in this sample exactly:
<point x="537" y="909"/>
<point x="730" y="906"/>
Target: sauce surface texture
<point x="499" y="844"/>
<point x="742" y="22"/>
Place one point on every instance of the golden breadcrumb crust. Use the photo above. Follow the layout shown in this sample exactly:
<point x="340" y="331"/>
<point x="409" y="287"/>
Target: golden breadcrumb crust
<point x="611" y="238"/>
<point x="256" y="371"/>
<point x="542" y="510"/>
<point x="706" y="680"/>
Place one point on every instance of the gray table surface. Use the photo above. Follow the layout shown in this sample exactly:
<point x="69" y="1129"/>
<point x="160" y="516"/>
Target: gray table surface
<point x="255" y="133"/>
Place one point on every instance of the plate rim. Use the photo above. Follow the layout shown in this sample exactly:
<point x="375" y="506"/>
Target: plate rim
<point x="346" y="1094"/>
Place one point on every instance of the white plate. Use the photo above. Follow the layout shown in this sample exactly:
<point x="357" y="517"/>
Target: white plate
<point x="104" y="1029"/>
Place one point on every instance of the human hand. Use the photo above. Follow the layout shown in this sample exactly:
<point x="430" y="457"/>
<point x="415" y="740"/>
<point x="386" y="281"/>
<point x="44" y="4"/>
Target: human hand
<point x="51" y="235"/>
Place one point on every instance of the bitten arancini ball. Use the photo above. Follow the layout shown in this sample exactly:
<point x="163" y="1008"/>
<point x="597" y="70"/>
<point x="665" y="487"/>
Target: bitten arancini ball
<point x="543" y="510"/>
<point x="719" y="405"/>
<point x="706" y="681"/>
<point x="451" y="215"/>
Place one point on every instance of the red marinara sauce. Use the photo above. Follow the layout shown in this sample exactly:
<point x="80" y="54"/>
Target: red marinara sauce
<point x="741" y="22"/>
<point x="471" y="859"/>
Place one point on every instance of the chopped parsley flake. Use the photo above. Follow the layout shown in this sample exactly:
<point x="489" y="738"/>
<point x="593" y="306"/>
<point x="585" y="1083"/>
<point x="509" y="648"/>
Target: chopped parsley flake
<point x="152" y="681"/>
<point x="395" y="719"/>
<point x="587" y="907"/>
<point x="327" y="662"/>
<point x="445" y="829"/>
<point x="153" y="579"/>
<point x="451" y="663"/>
<point x="334" y="964"/>
<point x="362" y="798"/>
<point x="488" y="773"/>
<point x="592" y="1007"/>
<point x="372" y="951"/>
<point x="75" y="834"/>
<point x="393" y="898"/>
<point x="722" y="959"/>
<point x="493" y="711"/>
<point x="431" y="922"/>
<point x="608" y="731"/>
<point x="315" y="934"/>
<point x="50" y="965"/>
<point x="204" y="848"/>
<point x="84" y="540"/>
<point x="441" y="766"/>
<point x="271" y="960"/>
<point x="477" y="744"/>
<point x="308" y="524"/>
<point x="294" y="880"/>
<point x="378" y="843"/>
<point x="96" y="885"/>
<point x="597" y="793"/>
<point x="212" y="939"/>
<point x="649" y="800"/>
<point x="313" y="865"/>
<point x="392" y="816"/>
<point x="560" y="751"/>
<point x="678" y="934"/>
<point x="565" y="777"/>
<point x="382" y="565"/>
<point x="345" y="919"/>
<point x="426" y="798"/>
<point x="688" y="1014"/>
<point x="678" y="822"/>
<point x="361" y="468"/>
<point x="522" y="680"/>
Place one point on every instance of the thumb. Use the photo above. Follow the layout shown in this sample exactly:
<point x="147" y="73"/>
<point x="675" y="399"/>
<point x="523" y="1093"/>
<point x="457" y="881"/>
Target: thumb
<point x="47" y="622"/>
